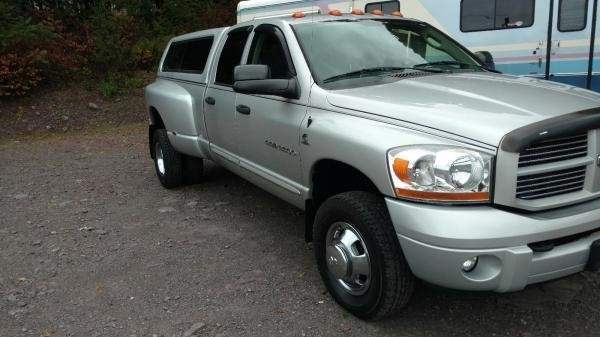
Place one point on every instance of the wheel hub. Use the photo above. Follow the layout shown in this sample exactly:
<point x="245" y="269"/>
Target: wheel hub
<point x="160" y="162"/>
<point x="337" y="261"/>
<point x="348" y="259"/>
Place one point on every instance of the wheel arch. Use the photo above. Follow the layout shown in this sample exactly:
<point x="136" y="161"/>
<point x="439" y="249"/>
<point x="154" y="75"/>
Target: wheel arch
<point x="329" y="177"/>
<point x="156" y="123"/>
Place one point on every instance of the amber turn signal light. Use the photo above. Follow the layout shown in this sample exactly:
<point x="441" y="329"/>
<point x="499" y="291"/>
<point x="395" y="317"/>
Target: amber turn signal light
<point x="298" y="15"/>
<point x="401" y="170"/>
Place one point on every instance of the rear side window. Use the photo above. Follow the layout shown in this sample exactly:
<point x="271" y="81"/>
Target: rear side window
<point x="174" y="57"/>
<point x="572" y="15"/>
<point x="231" y="56"/>
<point x="480" y="15"/>
<point x="387" y="7"/>
<point x="188" y="56"/>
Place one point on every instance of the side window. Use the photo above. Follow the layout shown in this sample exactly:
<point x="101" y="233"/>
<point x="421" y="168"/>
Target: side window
<point x="188" y="56"/>
<point x="572" y="15"/>
<point x="231" y="56"/>
<point x="196" y="55"/>
<point x="479" y="15"/>
<point x="174" y="57"/>
<point x="267" y="49"/>
<point x="387" y="7"/>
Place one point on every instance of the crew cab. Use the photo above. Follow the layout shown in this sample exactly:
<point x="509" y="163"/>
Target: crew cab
<point x="410" y="156"/>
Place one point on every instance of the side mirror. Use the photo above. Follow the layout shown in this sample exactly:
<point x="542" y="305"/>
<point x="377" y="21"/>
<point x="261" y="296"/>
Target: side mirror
<point x="255" y="79"/>
<point x="487" y="59"/>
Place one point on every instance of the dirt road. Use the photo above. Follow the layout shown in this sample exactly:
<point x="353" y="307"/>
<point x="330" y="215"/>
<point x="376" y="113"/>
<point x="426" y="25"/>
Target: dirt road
<point x="92" y="245"/>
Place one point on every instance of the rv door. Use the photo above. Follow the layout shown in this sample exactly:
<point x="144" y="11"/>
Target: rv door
<point x="574" y="57"/>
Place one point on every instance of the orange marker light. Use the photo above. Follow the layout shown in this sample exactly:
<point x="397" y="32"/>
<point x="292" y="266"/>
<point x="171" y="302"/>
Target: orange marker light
<point x="401" y="170"/>
<point x="335" y="12"/>
<point x="398" y="13"/>
<point x="358" y="12"/>
<point x="377" y="12"/>
<point x="298" y="15"/>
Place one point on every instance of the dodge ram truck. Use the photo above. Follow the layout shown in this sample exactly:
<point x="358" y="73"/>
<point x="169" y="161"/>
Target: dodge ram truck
<point x="410" y="156"/>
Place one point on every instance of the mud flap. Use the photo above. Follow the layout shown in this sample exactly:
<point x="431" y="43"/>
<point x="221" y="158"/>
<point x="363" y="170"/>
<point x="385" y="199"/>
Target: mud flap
<point x="594" y="262"/>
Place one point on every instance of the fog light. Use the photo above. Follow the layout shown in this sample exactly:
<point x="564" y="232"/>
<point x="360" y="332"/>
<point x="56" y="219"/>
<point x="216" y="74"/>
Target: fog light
<point x="470" y="264"/>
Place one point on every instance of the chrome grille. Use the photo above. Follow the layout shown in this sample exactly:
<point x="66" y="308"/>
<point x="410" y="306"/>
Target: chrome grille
<point x="542" y="185"/>
<point x="554" y="150"/>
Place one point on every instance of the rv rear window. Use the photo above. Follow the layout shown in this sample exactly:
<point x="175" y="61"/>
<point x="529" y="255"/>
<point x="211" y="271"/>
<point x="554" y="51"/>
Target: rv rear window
<point x="388" y="7"/>
<point x="188" y="56"/>
<point x="480" y="15"/>
<point x="572" y="15"/>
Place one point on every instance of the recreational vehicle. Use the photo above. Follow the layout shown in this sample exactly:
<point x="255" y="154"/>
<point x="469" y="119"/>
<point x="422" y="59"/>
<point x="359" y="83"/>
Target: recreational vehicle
<point x="552" y="39"/>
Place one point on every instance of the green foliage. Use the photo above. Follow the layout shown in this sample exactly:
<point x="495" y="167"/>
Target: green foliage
<point x="148" y="50"/>
<point x="17" y="31"/>
<point x="60" y="40"/>
<point x="117" y="83"/>
<point x="108" y="88"/>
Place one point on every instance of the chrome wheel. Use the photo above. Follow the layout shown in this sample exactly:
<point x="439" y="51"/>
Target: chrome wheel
<point x="160" y="162"/>
<point x="347" y="258"/>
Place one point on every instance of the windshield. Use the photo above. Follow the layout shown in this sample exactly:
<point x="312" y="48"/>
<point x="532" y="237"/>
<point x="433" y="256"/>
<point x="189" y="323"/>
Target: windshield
<point x="337" y="50"/>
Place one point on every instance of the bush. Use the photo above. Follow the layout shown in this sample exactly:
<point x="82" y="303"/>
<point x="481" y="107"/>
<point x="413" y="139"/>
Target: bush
<point x="19" y="73"/>
<point x="108" y="88"/>
<point x="20" y="57"/>
<point x="118" y="83"/>
<point x="60" y="40"/>
<point x="148" y="51"/>
<point x="110" y="32"/>
<point x="18" y="32"/>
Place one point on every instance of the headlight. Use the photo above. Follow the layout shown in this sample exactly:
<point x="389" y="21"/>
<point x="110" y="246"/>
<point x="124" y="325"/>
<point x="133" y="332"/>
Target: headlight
<point x="440" y="173"/>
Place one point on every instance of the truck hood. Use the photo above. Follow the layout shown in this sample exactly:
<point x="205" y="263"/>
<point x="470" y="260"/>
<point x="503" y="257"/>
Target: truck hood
<point x="480" y="106"/>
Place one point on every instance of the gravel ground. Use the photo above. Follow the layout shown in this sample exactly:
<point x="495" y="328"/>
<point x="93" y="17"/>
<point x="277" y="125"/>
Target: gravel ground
<point x="92" y="245"/>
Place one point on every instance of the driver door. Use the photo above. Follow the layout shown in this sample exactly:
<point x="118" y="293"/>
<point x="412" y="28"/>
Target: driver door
<point x="269" y="126"/>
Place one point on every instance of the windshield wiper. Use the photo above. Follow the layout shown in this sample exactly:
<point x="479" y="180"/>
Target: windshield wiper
<point x="361" y="72"/>
<point x="372" y="71"/>
<point x="449" y="63"/>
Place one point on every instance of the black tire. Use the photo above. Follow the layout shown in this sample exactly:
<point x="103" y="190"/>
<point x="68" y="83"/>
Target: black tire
<point x="171" y="174"/>
<point x="193" y="168"/>
<point x="391" y="281"/>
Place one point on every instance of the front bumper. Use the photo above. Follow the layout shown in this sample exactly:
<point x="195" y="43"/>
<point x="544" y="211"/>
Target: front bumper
<point x="436" y="240"/>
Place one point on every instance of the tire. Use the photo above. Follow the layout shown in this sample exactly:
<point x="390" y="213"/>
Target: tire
<point x="167" y="162"/>
<point x="372" y="293"/>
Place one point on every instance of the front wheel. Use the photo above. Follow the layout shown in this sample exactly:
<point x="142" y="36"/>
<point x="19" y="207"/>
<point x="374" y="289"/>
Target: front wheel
<point x="359" y="256"/>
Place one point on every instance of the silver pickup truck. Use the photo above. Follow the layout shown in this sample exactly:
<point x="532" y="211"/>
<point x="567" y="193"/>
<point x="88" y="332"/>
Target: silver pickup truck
<point x="410" y="156"/>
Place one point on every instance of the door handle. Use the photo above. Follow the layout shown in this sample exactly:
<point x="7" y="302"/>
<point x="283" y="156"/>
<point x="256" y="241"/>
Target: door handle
<point x="243" y="109"/>
<point x="210" y="100"/>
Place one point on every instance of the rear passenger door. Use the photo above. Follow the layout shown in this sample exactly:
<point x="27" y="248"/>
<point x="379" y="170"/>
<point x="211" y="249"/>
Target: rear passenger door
<point x="219" y="105"/>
